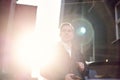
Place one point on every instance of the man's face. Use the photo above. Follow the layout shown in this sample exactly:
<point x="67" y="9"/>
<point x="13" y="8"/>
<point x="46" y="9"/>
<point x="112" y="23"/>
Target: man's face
<point x="66" y="33"/>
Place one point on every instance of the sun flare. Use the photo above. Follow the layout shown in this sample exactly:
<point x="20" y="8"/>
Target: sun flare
<point x="36" y="50"/>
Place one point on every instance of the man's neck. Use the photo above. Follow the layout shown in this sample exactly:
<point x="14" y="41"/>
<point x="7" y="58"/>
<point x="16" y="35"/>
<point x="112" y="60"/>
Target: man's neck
<point x="69" y="44"/>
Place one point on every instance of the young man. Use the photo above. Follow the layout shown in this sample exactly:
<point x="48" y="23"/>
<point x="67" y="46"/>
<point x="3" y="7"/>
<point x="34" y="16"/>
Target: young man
<point x="69" y="63"/>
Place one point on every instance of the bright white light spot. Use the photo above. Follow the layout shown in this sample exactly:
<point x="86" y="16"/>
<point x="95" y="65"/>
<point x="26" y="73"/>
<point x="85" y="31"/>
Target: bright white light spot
<point x="82" y="30"/>
<point x="106" y="60"/>
<point x="28" y="2"/>
<point x="36" y="50"/>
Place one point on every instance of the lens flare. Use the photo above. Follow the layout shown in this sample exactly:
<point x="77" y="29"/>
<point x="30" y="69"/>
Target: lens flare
<point x="35" y="50"/>
<point x="84" y="30"/>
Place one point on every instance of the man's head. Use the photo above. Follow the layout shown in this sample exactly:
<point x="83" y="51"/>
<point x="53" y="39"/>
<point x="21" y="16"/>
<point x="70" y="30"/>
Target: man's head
<point x="66" y="32"/>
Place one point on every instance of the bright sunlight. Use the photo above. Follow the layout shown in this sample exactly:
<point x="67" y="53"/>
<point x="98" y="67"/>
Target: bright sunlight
<point x="35" y="50"/>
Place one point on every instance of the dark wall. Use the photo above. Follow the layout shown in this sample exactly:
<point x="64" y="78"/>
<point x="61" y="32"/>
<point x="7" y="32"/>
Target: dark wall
<point x="4" y="19"/>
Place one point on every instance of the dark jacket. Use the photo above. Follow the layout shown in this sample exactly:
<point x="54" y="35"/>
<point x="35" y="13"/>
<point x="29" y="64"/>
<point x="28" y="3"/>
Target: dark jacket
<point x="63" y="64"/>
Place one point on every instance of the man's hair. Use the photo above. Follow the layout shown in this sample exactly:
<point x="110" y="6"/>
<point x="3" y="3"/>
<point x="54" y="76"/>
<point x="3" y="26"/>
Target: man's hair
<point x="64" y="24"/>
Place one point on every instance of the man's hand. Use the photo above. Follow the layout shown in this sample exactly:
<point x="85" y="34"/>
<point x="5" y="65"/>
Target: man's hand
<point x="81" y="66"/>
<point x="72" y="77"/>
<point x="69" y="76"/>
